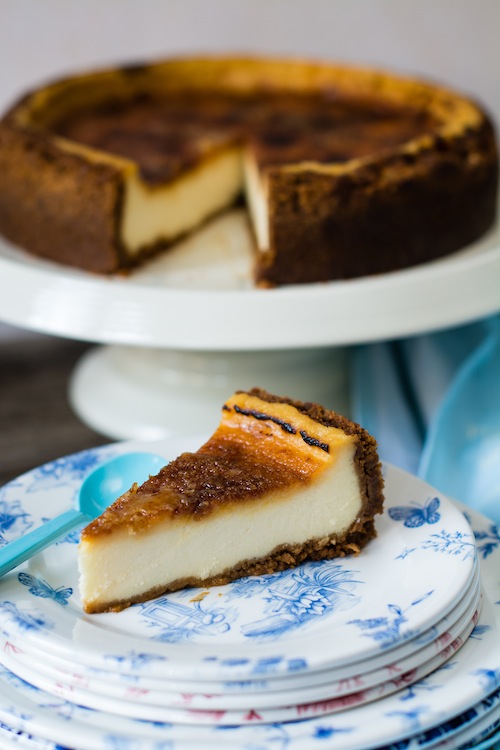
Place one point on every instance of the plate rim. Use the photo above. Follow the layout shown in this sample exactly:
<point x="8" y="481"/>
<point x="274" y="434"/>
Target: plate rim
<point x="182" y="739"/>
<point x="201" y="665"/>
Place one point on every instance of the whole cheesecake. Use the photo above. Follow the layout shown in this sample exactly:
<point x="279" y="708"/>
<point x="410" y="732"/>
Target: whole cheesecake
<point x="345" y="171"/>
<point x="279" y="482"/>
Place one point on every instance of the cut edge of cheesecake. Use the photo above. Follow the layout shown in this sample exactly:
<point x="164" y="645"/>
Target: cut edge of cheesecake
<point x="318" y="486"/>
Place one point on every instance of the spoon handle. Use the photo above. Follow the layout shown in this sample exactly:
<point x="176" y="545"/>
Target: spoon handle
<point x="16" y="552"/>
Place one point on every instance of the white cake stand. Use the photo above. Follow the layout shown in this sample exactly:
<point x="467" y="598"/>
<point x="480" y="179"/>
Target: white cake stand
<point x="186" y="330"/>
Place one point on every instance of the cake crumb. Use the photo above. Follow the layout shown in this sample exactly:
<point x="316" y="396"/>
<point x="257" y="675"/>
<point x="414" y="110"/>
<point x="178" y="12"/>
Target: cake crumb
<point x="199" y="597"/>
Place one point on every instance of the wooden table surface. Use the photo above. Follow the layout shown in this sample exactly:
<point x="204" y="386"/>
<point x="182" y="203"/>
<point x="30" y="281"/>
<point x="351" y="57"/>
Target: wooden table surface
<point x="37" y="423"/>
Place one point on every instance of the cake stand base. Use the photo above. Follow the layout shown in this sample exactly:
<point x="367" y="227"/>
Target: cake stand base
<point x="149" y="394"/>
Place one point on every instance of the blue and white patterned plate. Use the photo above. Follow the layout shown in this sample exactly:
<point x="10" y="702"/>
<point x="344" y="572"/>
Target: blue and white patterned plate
<point x="468" y="737"/>
<point x="140" y="704"/>
<point x="461" y="732"/>
<point x="282" y="623"/>
<point x="474" y="733"/>
<point x="55" y="677"/>
<point x="432" y="710"/>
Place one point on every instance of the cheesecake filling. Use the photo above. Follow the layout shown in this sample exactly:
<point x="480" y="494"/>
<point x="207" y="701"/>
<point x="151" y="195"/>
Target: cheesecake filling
<point x="155" y="214"/>
<point x="256" y="195"/>
<point x="123" y="565"/>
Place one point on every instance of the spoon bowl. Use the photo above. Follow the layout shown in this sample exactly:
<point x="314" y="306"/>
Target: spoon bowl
<point x="101" y="488"/>
<point x="113" y="478"/>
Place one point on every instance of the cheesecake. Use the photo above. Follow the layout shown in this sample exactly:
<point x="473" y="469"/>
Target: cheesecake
<point x="344" y="171"/>
<point x="279" y="482"/>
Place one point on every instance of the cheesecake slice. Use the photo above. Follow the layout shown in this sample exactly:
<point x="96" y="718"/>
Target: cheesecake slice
<point x="279" y="482"/>
<point x="345" y="171"/>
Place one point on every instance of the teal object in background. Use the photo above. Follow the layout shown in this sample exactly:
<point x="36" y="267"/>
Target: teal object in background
<point x="433" y="403"/>
<point x="462" y="450"/>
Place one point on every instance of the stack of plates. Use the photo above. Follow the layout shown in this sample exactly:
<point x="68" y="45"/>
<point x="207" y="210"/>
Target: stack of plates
<point x="399" y="645"/>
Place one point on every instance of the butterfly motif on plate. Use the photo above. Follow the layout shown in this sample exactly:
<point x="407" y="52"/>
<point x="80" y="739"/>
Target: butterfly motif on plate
<point x="415" y="515"/>
<point x="39" y="587"/>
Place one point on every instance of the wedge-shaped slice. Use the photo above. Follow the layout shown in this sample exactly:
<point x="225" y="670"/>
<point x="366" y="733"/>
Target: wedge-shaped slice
<point x="278" y="482"/>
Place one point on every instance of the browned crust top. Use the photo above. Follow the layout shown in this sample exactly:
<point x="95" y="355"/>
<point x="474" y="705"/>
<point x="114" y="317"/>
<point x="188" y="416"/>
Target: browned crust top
<point x="164" y="137"/>
<point x="370" y="110"/>
<point x="366" y="457"/>
<point x="224" y="471"/>
<point x="194" y="485"/>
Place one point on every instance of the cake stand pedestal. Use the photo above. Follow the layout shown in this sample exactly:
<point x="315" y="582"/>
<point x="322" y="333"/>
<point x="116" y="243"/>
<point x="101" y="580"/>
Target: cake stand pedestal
<point x="187" y="329"/>
<point x="150" y="394"/>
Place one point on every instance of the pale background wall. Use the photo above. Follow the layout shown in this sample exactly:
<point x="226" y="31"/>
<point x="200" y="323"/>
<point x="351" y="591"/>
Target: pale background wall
<point x="454" y="41"/>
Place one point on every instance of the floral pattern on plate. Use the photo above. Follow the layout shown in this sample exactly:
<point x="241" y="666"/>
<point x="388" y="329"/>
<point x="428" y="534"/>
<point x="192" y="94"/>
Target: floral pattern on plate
<point x="282" y="623"/>
<point x="444" y="703"/>
<point x="299" y="688"/>
<point x="133" y="701"/>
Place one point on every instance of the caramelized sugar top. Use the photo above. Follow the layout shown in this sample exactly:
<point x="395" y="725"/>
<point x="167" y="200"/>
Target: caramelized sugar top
<point x="258" y="449"/>
<point x="165" y="136"/>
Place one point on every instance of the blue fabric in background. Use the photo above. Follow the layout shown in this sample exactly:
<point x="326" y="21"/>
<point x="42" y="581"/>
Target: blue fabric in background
<point x="433" y="404"/>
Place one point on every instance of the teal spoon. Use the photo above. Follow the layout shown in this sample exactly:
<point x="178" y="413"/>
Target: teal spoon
<point x="102" y="487"/>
